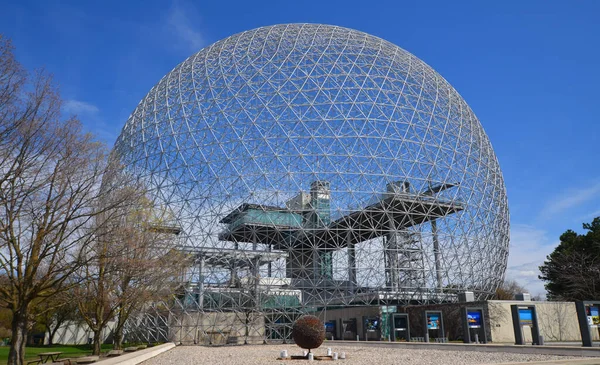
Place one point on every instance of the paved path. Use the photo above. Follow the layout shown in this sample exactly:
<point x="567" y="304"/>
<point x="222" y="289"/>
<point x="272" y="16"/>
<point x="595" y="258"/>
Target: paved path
<point x="137" y="357"/>
<point x="357" y="354"/>
<point x="492" y="347"/>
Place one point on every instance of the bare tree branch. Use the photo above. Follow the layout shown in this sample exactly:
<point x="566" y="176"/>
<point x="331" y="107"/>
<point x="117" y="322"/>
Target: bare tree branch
<point x="50" y="192"/>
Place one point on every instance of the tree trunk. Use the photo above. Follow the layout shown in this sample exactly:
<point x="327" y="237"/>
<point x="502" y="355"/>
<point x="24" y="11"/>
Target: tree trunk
<point x="48" y="329"/>
<point x="52" y="331"/>
<point x="52" y="334"/>
<point x="97" y="342"/>
<point x="118" y="330"/>
<point x="16" y="354"/>
<point x="118" y="339"/>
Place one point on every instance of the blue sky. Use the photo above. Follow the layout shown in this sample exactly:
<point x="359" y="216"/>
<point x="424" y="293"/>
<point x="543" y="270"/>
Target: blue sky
<point x="529" y="70"/>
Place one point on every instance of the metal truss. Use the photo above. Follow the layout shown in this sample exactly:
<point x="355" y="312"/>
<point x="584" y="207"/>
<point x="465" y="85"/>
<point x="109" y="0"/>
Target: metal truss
<point x="309" y="167"/>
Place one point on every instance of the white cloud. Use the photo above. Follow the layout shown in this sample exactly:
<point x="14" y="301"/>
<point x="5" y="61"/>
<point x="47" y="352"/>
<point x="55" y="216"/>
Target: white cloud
<point x="90" y="116"/>
<point x="78" y="107"/>
<point x="588" y="217"/>
<point x="570" y="199"/>
<point x="180" y="23"/>
<point x="526" y="274"/>
<point x="529" y="247"/>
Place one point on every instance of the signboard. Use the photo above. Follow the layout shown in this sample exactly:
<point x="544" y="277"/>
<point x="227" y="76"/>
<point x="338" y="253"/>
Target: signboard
<point x="526" y="316"/>
<point x="433" y="321"/>
<point x="372" y="324"/>
<point x="588" y="316"/>
<point x="349" y="325"/>
<point x="473" y="324"/>
<point x="400" y="322"/>
<point x="330" y="326"/>
<point x="474" y="319"/>
<point x="593" y="315"/>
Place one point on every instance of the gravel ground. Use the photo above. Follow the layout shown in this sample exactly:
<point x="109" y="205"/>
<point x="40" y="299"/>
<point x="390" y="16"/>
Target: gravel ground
<point x="267" y="354"/>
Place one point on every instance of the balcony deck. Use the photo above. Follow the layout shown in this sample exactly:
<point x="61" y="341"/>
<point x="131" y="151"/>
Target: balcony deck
<point x="392" y="213"/>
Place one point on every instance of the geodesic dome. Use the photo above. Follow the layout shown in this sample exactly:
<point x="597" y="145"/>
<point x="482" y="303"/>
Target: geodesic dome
<point x="311" y="165"/>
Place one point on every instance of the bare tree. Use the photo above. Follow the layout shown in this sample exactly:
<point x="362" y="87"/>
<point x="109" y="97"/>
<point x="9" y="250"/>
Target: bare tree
<point x="51" y="313"/>
<point x="134" y="263"/>
<point x="12" y="79"/>
<point x="5" y="323"/>
<point x="96" y="295"/>
<point x="508" y="290"/>
<point x="149" y="266"/>
<point x="50" y="174"/>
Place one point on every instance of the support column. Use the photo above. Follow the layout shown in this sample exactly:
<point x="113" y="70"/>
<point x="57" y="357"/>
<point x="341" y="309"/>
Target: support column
<point x="351" y="261"/>
<point x="314" y="275"/>
<point x="436" y="254"/>
<point x="391" y="256"/>
<point x="234" y="272"/>
<point x="256" y="276"/>
<point x="269" y="265"/>
<point x="201" y="283"/>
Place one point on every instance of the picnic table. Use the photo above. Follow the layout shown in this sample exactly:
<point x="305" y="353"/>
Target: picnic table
<point x="45" y="356"/>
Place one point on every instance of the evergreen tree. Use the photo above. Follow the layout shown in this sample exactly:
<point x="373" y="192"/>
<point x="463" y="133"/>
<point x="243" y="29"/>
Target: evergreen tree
<point x="572" y="270"/>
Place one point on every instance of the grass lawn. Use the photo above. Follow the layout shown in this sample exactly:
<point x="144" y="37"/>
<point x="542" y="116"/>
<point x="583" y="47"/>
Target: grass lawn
<point x="67" y="351"/>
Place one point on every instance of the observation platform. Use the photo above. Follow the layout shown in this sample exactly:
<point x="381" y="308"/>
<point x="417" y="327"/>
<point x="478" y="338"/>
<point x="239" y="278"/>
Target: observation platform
<point x="231" y="258"/>
<point x="345" y="293"/>
<point x="383" y="297"/>
<point x="283" y="228"/>
<point x="261" y="224"/>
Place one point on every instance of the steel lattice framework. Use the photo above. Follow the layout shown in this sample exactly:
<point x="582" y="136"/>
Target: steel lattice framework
<point x="311" y="166"/>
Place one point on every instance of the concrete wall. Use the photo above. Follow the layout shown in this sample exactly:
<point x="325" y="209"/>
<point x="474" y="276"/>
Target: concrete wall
<point x="451" y="318"/>
<point x="557" y="321"/>
<point x="78" y="333"/>
<point x="347" y="313"/>
<point x="217" y="328"/>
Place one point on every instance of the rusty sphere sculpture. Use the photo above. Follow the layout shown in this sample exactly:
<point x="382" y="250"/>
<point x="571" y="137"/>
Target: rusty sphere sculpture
<point x="308" y="332"/>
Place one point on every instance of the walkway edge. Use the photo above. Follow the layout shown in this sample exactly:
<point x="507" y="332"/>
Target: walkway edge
<point x="134" y="358"/>
<point x="541" y="350"/>
<point x="587" y="361"/>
